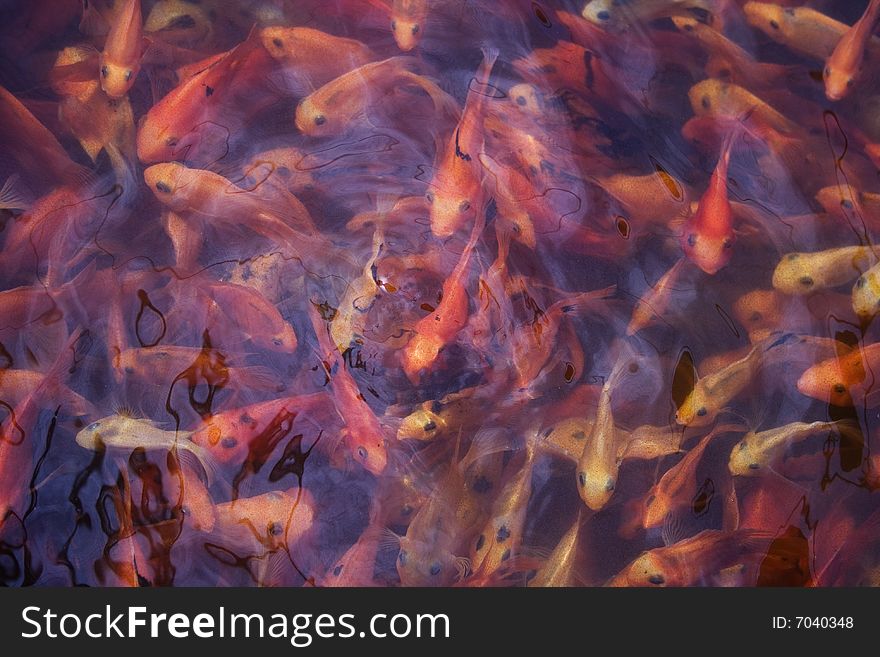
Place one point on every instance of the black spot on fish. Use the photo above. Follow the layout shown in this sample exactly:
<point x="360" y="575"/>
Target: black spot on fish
<point x="702" y="411"/>
<point x="481" y="485"/>
<point x="582" y="479"/>
<point x="338" y="568"/>
<point x="430" y="425"/>
<point x="806" y="281"/>
<point x="603" y="15"/>
<point x="162" y="187"/>
<point x="209" y="91"/>
<point x="228" y="443"/>
<point x="656" y="579"/>
<point x="774" y="25"/>
<point x="481" y="541"/>
<point x="276" y="529"/>
<point x="435" y="569"/>
<point x="503" y="534"/>
<point x="458" y="152"/>
<point x="185" y="22"/>
<point x="277" y="42"/>
<point x="506" y="555"/>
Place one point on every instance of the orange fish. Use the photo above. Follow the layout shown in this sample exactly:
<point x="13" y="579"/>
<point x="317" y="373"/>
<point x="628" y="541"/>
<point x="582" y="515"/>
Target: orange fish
<point x="454" y="193"/>
<point x="363" y="436"/>
<point x="844" y="66"/>
<point x="121" y="58"/>
<point x="408" y="21"/>
<point x="357" y="566"/>
<point x="276" y="519"/>
<point x="437" y="329"/>
<point x="708" y="235"/>
<point x="843" y="379"/>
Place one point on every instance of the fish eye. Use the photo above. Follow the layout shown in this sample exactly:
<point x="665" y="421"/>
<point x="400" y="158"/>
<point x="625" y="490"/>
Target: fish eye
<point x="394" y="26"/>
<point x="481" y="541"/>
<point x="430" y="197"/>
<point x="861" y="282"/>
<point x="435" y="569"/>
<point x="727" y="243"/>
<point x="402" y="557"/>
<point x="430" y="425"/>
<point x="171" y="141"/>
<point x="128" y="75"/>
<point x="228" y="443"/>
<point x="742" y="445"/>
<point x="827" y="72"/>
<point x="702" y="411"/>
<point x="688" y="27"/>
<point x="756" y="316"/>
<point x="415" y="29"/>
<point x="774" y="25"/>
<point x="337" y="570"/>
<point x="320" y="119"/>
<point x="692" y="239"/>
<point x="129" y="369"/>
<point x="104" y="71"/>
<point x="650" y="500"/>
<point x="162" y="187"/>
<point x="362" y="453"/>
<point x="604" y="15"/>
<point x="406" y="510"/>
<point x="839" y="388"/>
<point x="506" y="555"/>
<point x="846" y="203"/>
<point x="705" y="102"/>
<point x="656" y="579"/>
<point x="582" y="479"/>
<point x="806" y="281"/>
<point x="276" y="529"/>
<point x="464" y="206"/>
<point x="521" y="100"/>
<point x="609" y="485"/>
<point x="278" y="43"/>
<point x="792" y="256"/>
<point x="277" y="342"/>
<point x="754" y="466"/>
<point x="93" y="426"/>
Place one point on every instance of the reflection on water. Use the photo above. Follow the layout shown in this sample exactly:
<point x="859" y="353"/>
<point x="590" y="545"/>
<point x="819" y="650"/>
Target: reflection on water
<point x="443" y="292"/>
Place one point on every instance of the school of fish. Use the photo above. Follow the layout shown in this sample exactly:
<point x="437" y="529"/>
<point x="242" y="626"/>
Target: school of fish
<point x="439" y="293"/>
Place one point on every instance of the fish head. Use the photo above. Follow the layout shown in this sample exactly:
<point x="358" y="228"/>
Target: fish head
<point x="793" y="276"/>
<point x="98" y="433"/>
<point x="826" y="381"/>
<point x="647" y="570"/>
<point x="711" y="253"/>
<point x="276" y="41"/>
<point x="866" y="294"/>
<point x="312" y="120"/>
<point x="168" y="182"/>
<point x="838" y="199"/>
<point x="744" y="460"/>
<point x="159" y="140"/>
<point x="839" y="75"/>
<point x="421" y="424"/>
<point x="285" y="340"/>
<point x="407" y="32"/>
<point x="117" y="79"/>
<point x="526" y="97"/>
<point x="596" y="484"/>
<point x="770" y="18"/>
<point x="695" y="410"/>
<point x="426" y="562"/>
<point x="600" y="12"/>
<point x="448" y="210"/>
<point x="369" y="450"/>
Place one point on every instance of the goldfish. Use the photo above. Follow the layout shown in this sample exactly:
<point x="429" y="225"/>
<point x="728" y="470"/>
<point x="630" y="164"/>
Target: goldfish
<point x="454" y="189"/>
<point x="435" y="330"/>
<point x="708" y="235"/>
<point x="697" y="560"/>
<point x="803" y="273"/>
<point x="844" y="65"/>
<point x="196" y="120"/>
<point x="342" y="102"/>
<point x="364" y="436"/>
<point x="712" y="393"/>
<point x="180" y="22"/>
<point x="803" y="29"/>
<point x="866" y="292"/>
<point x="843" y="378"/>
<point x="408" y="22"/>
<point x="727" y="100"/>
<point x="668" y="197"/>
<point x="121" y="58"/>
<point x="758" y="450"/>
<point x="598" y="464"/>
<point x="121" y="431"/>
